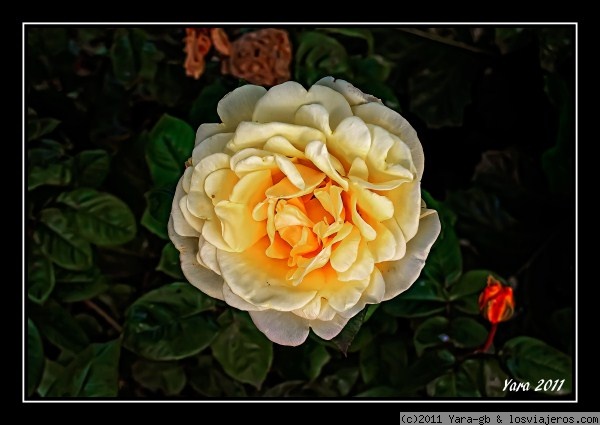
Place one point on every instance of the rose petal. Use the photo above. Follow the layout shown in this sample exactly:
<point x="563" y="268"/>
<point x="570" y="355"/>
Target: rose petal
<point x="381" y="169"/>
<point x="251" y="188"/>
<point x="284" y="189"/>
<point x="281" y="145"/>
<point x="315" y="116"/>
<point x="188" y="218"/>
<point x="219" y="185"/>
<point x="208" y="255"/>
<point x="317" y="152"/>
<point x="251" y="159"/>
<point x="330" y="328"/>
<point x="400" y="275"/>
<point x="207" y="130"/>
<point x="380" y="208"/>
<point x="344" y="255"/>
<point x="280" y="103"/>
<point x="351" y="139"/>
<point x="239" y="105"/>
<point x="408" y="198"/>
<point x="353" y="95"/>
<point x="362" y="268"/>
<point x="335" y="103"/>
<point x="281" y="327"/>
<point x="261" y="280"/>
<point x="212" y="145"/>
<point x="239" y="229"/>
<point x="180" y="224"/>
<point x="233" y="300"/>
<point x="206" y="280"/>
<point x="255" y="135"/>
<point x="381" y="115"/>
<point x="311" y="310"/>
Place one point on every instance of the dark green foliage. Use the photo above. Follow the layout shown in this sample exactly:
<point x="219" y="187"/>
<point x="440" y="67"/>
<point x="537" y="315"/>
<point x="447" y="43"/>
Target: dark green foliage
<point x="110" y="124"/>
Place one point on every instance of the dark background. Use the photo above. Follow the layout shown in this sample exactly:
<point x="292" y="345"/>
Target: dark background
<point x="494" y="110"/>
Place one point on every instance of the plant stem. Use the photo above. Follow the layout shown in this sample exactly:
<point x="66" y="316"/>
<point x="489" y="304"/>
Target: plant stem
<point x="490" y="338"/>
<point x="104" y="315"/>
<point x="444" y="40"/>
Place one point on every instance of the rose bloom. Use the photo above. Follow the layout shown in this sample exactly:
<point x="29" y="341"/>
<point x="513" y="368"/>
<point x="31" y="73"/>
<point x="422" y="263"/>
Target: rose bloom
<point x="301" y="207"/>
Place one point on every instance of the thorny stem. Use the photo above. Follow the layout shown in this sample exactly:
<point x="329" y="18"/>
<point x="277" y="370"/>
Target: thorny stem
<point x="104" y="315"/>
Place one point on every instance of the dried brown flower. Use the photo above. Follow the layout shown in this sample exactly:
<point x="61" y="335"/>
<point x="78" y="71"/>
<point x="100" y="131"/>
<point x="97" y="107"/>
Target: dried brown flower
<point x="260" y="57"/>
<point x="220" y="41"/>
<point x="197" y="45"/>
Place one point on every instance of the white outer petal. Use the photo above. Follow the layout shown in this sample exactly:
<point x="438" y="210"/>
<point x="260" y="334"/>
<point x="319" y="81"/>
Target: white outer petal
<point x="353" y="95"/>
<point x="381" y="115"/>
<point x="400" y="275"/>
<point x="238" y="105"/>
<point x="330" y="328"/>
<point x="206" y="280"/>
<point x="283" y="328"/>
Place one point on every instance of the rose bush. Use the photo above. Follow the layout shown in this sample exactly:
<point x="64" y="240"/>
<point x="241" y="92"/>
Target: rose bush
<point x="303" y="206"/>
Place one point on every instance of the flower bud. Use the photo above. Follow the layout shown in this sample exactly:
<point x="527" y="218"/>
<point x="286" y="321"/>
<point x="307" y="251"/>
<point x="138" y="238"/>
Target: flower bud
<point x="496" y="301"/>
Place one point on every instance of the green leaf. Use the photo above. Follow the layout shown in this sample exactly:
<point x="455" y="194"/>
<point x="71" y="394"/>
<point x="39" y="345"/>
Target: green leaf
<point x="472" y="283"/>
<point x="40" y="276"/>
<point x="317" y="358"/>
<point x="303" y="362"/>
<point x="463" y="332"/>
<point x="444" y="262"/>
<point x="486" y="375"/>
<point x="79" y="286"/>
<point x="60" y="243"/>
<point x="344" y="339"/>
<point x="427" y="367"/>
<point x="148" y="54"/>
<point x="384" y="361"/>
<point x="204" y="108"/>
<point x="101" y="218"/>
<point x="169" y="262"/>
<point x="170" y="144"/>
<point x="91" y="167"/>
<point x="39" y="127"/>
<point x="432" y="332"/>
<point x="206" y="379"/>
<point x="531" y="360"/>
<point x="381" y="391"/>
<point x="158" y="209"/>
<point x="342" y="381"/>
<point x="58" y="326"/>
<point x="121" y="55"/>
<point x="52" y="370"/>
<point x="363" y="33"/>
<point x="373" y="70"/>
<point x="244" y="352"/>
<point x="48" y="166"/>
<point x="453" y="384"/>
<point x="467" y="333"/>
<point x="92" y="373"/>
<point x="284" y="389"/>
<point x="168" y="377"/>
<point x="464" y="294"/>
<point x="35" y="357"/>
<point x="166" y="324"/>
<point x="423" y="298"/>
<point x="318" y="55"/>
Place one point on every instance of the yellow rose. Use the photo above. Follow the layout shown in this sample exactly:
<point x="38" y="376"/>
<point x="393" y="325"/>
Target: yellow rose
<point x="302" y="207"/>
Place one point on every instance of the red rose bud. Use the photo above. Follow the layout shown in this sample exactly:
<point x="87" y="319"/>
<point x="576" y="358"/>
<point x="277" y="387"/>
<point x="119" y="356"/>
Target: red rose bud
<point x="496" y="302"/>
